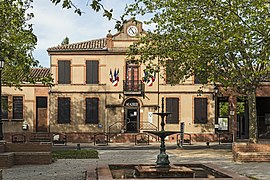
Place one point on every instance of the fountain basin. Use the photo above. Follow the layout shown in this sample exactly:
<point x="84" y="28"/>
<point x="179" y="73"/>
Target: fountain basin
<point x="183" y="171"/>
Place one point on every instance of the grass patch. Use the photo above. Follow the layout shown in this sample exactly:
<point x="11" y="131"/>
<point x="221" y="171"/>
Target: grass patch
<point x="75" y="154"/>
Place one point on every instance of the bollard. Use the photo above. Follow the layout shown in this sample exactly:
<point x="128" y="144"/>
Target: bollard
<point x="78" y="146"/>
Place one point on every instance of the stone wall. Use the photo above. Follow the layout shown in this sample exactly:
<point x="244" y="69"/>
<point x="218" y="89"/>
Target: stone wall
<point x="25" y="153"/>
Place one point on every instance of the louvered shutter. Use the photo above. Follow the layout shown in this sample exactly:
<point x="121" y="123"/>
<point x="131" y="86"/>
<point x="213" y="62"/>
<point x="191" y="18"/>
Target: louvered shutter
<point x="200" y="110"/>
<point x="17" y="107"/>
<point x="64" y="72"/>
<point x="172" y="106"/>
<point x="91" y="110"/>
<point x="92" y="71"/>
<point x="63" y="110"/>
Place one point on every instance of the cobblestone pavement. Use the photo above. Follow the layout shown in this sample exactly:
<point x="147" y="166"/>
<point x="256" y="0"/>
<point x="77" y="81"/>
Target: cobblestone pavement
<point x="71" y="169"/>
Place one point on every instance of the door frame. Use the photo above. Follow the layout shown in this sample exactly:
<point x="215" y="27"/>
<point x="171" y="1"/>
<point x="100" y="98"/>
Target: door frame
<point x="132" y="104"/>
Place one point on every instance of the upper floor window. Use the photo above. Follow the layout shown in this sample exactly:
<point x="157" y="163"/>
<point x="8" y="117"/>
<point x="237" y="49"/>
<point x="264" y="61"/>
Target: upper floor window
<point x="64" y="72"/>
<point x="92" y="110"/>
<point x="17" y="107"/>
<point x="4" y="107"/>
<point x="172" y="106"/>
<point x="92" y="71"/>
<point x="200" y="110"/>
<point x="63" y="110"/>
<point x="171" y="72"/>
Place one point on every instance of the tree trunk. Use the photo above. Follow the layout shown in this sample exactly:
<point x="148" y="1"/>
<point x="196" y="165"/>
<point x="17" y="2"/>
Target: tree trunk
<point x="253" y="129"/>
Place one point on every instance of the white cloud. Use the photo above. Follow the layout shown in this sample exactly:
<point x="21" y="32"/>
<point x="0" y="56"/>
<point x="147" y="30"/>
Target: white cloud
<point x="52" y="24"/>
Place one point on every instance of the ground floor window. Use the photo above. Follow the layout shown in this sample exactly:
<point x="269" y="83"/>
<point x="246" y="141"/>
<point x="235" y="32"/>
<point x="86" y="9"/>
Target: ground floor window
<point x="92" y="110"/>
<point x="17" y="107"/>
<point x="63" y="110"/>
<point x="172" y="106"/>
<point x="200" y="110"/>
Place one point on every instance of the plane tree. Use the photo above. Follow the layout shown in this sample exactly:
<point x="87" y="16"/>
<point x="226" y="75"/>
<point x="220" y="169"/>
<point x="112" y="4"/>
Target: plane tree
<point x="17" y="42"/>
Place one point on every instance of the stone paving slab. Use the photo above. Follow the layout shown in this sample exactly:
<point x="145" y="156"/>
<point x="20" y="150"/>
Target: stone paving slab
<point x="219" y="155"/>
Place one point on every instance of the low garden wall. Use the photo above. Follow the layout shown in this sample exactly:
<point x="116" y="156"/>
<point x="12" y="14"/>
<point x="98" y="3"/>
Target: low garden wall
<point x="250" y="152"/>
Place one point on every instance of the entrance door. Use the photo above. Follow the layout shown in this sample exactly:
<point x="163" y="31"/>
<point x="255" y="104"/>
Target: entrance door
<point x="41" y="114"/>
<point x="132" y="118"/>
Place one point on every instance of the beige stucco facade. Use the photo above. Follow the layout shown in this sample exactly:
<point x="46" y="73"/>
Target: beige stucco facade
<point x="29" y="94"/>
<point x="113" y="99"/>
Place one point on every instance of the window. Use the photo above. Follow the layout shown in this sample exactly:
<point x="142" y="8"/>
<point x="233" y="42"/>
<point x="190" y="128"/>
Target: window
<point x="17" y="107"/>
<point x="4" y="107"/>
<point x="63" y="110"/>
<point x="170" y="72"/>
<point x="172" y="106"/>
<point x="92" y="72"/>
<point x="64" y="72"/>
<point x="91" y="110"/>
<point x="200" y="110"/>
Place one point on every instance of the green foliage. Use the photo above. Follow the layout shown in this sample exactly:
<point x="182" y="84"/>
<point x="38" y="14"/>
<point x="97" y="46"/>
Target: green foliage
<point x="17" y="41"/>
<point x="65" y="41"/>
<point x="225" y="41"/>
<point x="75" y="154"/>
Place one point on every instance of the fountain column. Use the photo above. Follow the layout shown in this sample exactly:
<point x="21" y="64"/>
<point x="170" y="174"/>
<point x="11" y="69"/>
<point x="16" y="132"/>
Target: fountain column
<point x="162" y="158"/>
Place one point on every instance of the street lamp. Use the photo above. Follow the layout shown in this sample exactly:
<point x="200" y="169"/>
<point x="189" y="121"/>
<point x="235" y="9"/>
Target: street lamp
<point x="1" y="123"/>
<point x="216" y="90"/>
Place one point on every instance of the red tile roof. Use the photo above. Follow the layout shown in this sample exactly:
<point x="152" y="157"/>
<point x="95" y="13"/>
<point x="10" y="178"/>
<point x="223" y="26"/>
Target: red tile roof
<point x="97" y="44"/>
<point x="39" y="73"/>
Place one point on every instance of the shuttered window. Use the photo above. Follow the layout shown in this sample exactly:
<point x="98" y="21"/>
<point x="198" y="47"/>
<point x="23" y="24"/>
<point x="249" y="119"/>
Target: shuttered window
<point x="4" y="107"/>
<point x="200" y="110"/>
<point x="92" y="110"/>
<point x="172" y="106"/>
<point x="17" y="107"/>
<point x="64" y="72"/>
<point x="92" y="72"/>
<point x="63" y="110"/>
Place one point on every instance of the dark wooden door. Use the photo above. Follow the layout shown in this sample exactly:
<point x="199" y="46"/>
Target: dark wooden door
<point x="132" y="120"/>
<point x="42" y="114"/>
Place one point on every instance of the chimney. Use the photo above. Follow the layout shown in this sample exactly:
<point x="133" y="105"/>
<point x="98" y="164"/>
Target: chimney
<point x="109" y="40"/>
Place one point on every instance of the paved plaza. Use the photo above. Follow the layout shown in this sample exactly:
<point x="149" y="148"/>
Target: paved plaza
<point x="75" y="169"/>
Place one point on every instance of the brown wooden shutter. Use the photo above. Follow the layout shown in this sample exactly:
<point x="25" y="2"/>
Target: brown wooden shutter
<point x="92" y="71"/>
<point x="17" y="107"/>
<point x="172" y="106"/>
<point x="91" y="110"/>
<point x="64" y="72"/>
<point x="63" y="110"/>
<point x="200" y="110"/>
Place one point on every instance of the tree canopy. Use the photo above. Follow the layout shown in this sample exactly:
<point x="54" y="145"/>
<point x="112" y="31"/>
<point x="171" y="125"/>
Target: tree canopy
<point x="218" y="41"/>
<point x="17" y="42"/>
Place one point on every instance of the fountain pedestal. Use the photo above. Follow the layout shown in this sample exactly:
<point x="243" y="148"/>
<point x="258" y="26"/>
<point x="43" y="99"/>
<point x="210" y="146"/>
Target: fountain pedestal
<point x="146" y="171"/>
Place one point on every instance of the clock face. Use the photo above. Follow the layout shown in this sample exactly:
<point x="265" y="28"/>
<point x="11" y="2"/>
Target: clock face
<point x="132" y="30"/>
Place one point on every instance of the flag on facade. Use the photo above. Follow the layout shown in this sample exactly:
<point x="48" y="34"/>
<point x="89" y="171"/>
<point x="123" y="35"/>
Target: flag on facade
<point x="149" y="79"/>
<point x="115" y="77"/>
<point x="111" y="77"/>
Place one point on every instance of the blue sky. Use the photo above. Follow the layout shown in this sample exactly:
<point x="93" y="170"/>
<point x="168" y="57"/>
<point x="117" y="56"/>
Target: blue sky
<point x="52" y="24"/>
